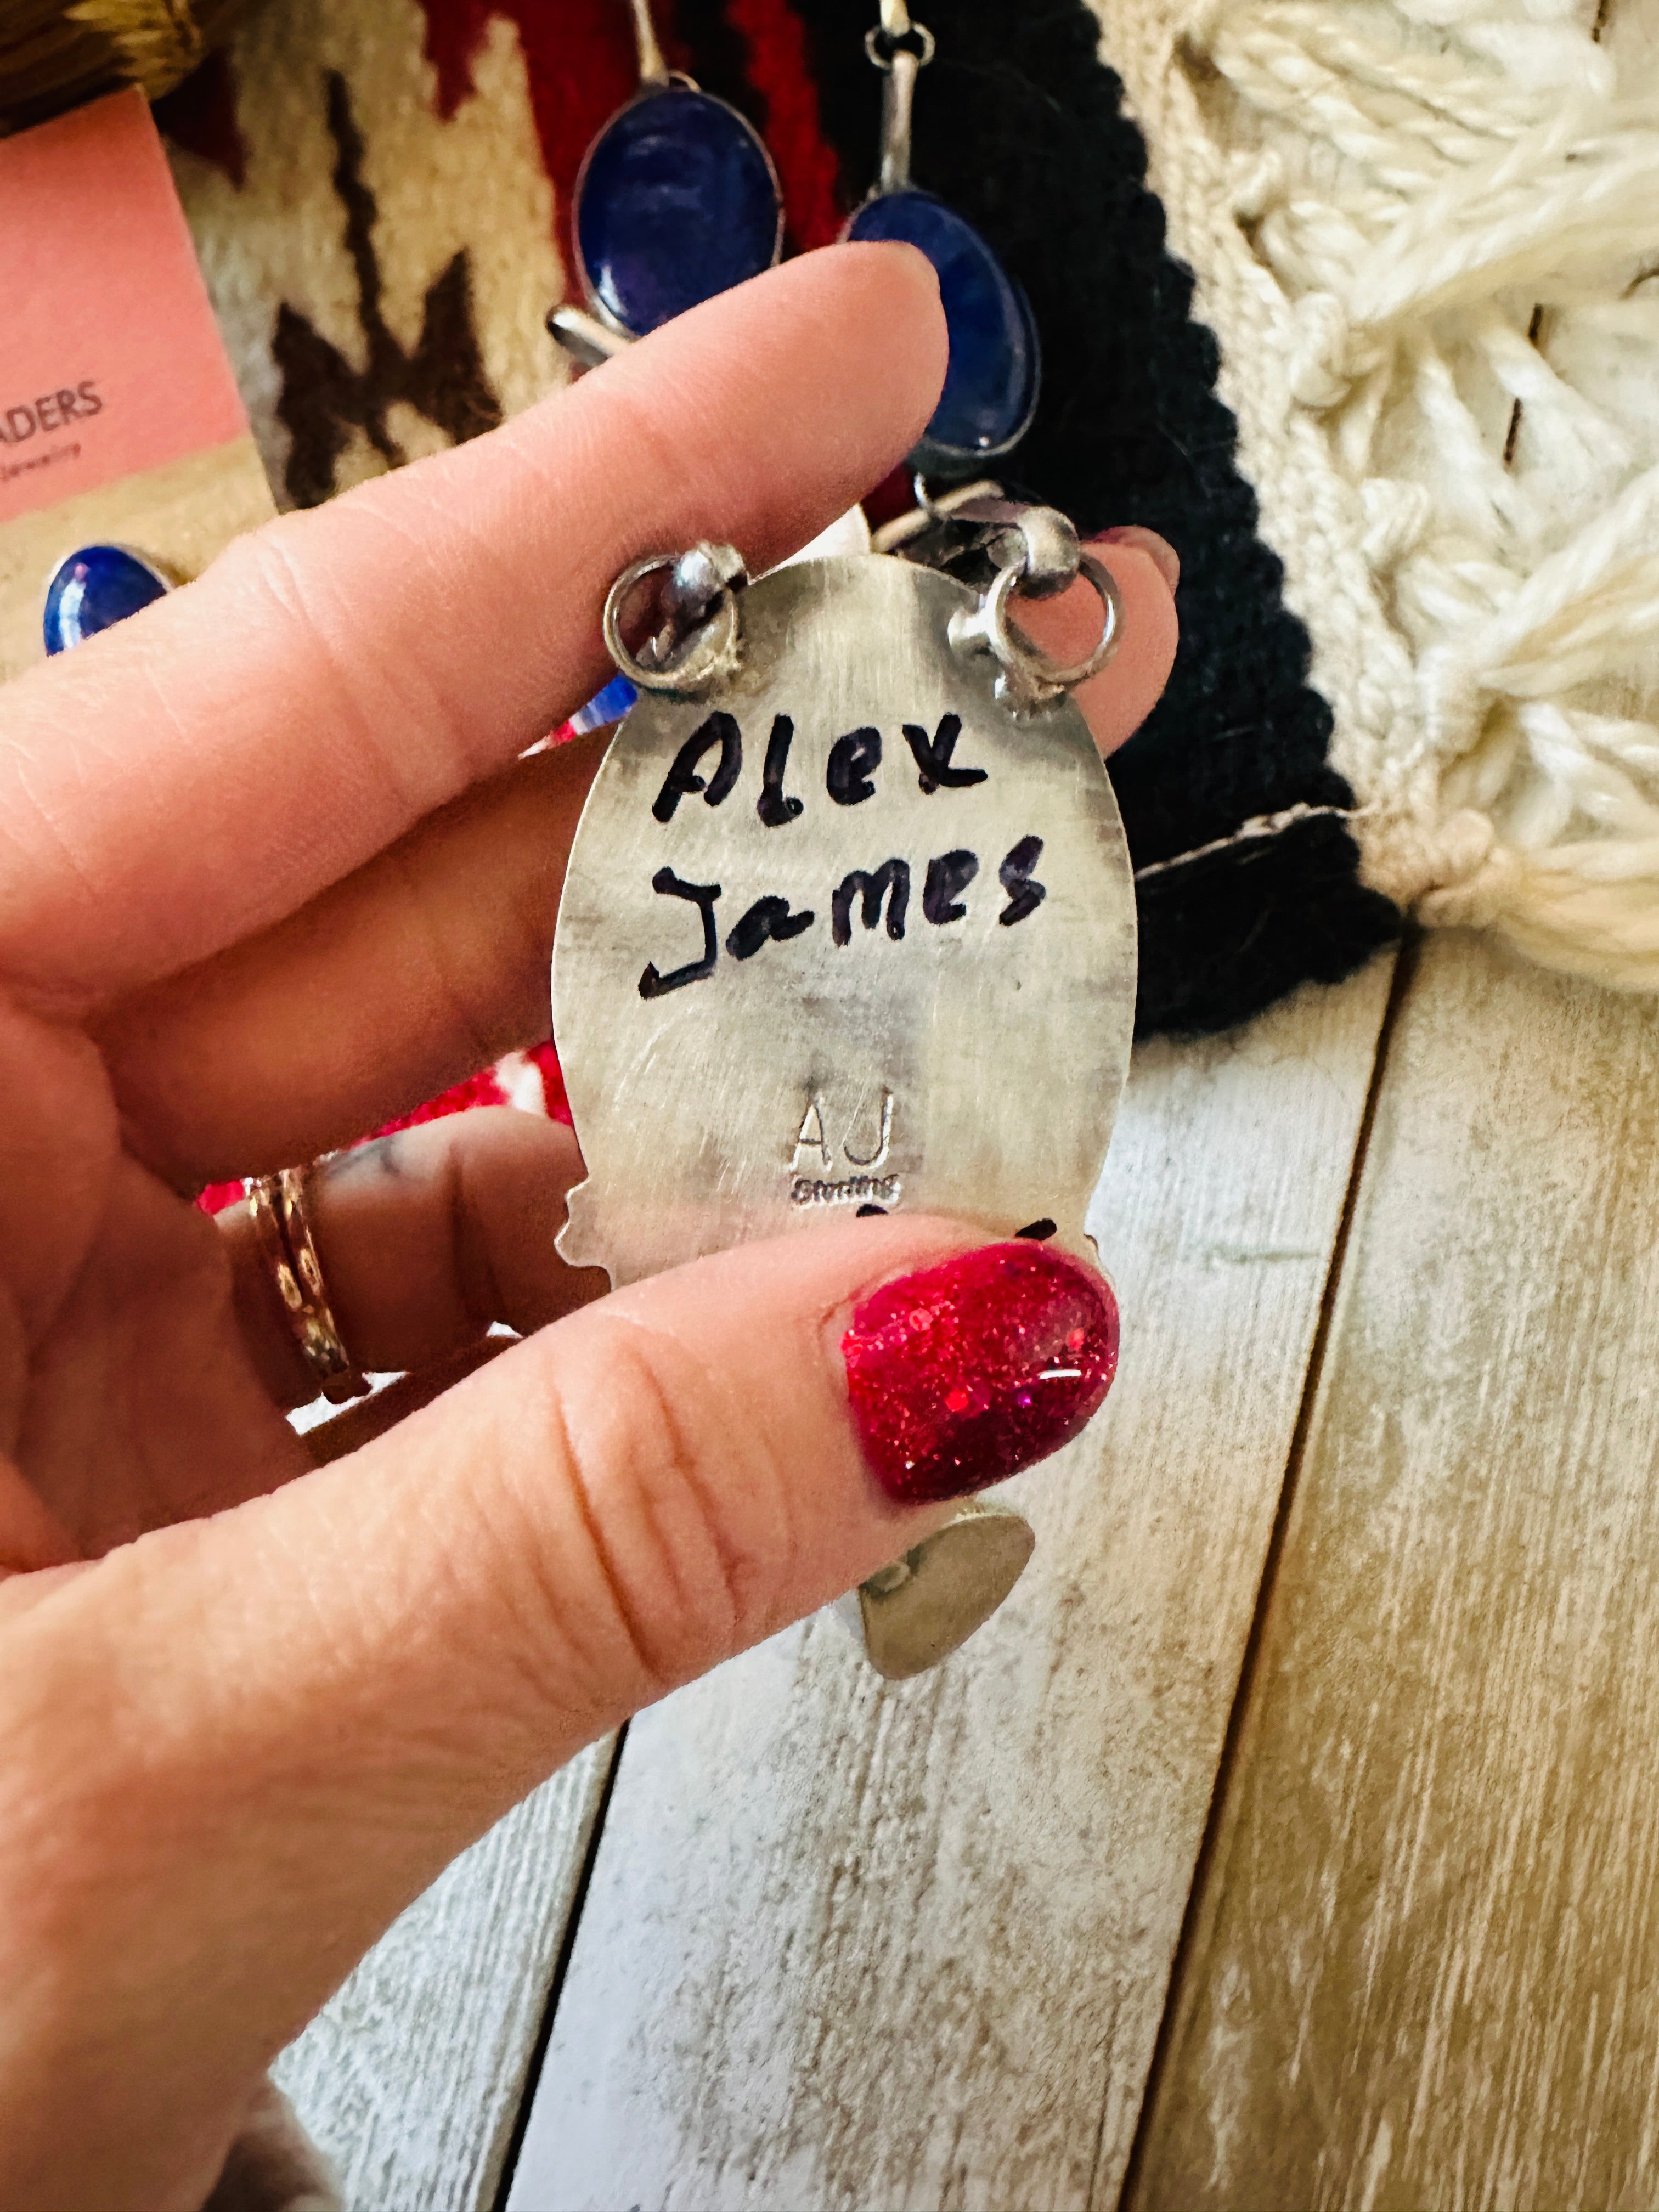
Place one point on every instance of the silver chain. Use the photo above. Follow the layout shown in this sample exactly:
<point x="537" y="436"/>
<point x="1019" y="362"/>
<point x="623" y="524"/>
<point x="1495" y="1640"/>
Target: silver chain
<point x="898" y="93"/>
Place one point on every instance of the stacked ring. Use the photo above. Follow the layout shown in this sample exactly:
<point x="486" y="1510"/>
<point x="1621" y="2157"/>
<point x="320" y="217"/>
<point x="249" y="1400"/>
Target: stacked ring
<point x="277" y="1203"/>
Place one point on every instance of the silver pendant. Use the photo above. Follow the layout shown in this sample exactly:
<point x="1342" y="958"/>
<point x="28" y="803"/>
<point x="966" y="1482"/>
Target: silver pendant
<point x="848" y="927"/>
<point x="923" y="1606"/>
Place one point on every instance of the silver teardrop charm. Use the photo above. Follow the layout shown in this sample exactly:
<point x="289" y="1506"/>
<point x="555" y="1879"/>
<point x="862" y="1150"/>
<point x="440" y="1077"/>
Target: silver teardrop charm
<point x="925" y="1606"/>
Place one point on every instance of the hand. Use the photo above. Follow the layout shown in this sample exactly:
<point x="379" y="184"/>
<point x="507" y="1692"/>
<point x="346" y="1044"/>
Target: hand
<point x="271" y="871"/>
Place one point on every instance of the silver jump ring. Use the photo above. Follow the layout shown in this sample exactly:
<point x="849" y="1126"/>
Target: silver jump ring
<point x="878" y="32"/>
<point x="711" y="652"/>
<point x="1016" y="651"/>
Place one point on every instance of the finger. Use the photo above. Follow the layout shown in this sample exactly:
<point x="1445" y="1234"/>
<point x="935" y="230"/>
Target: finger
<point x="427" y="1238"/>
<point x="1146" y="571"/>
<point x="432" y="960"/>
<point x="203" y="768"/>
<point x="417" y="970"/>
<point x="1159" y="551"/>
<point x="31" y="1534"/>
<point x="324" y="1694"/>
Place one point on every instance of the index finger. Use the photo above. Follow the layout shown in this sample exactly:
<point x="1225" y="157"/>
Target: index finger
<point x="204" y="769"/>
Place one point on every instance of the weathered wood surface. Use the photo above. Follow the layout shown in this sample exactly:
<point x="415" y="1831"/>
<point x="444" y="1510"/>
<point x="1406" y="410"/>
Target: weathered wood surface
<point x="1425" y="1959"/>
<point x="852" y="1947"/>
<point x="412" y="2077"/>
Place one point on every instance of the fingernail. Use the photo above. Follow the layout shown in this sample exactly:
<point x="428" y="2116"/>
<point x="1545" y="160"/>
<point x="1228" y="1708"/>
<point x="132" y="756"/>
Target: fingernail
<point x="1158" y="550"/>
<point x="964" y="1373"/>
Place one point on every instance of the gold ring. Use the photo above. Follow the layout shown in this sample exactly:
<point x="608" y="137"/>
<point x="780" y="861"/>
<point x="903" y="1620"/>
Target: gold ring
<point x="277" y="1203"/>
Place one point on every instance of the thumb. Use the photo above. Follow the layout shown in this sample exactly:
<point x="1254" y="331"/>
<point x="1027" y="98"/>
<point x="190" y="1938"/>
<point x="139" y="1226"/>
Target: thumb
<point x="242" y="1746"/>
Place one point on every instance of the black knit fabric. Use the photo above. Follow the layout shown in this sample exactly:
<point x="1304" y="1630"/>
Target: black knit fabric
<point x="1019" y="127"/>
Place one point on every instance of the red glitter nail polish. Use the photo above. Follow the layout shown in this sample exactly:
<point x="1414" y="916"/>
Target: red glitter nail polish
<point x="968" y="1371"/>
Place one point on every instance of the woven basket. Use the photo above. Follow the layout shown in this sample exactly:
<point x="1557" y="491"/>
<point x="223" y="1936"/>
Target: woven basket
<point x="53" y="55"/>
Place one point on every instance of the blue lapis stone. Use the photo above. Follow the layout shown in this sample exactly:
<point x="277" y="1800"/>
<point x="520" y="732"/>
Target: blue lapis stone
<point x="677" y="200"/>
<point x="93" y="588"/>
<point x="995" y="368"/>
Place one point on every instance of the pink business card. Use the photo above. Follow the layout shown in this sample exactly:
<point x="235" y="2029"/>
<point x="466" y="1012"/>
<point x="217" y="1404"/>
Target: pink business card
<point x="111" y="363"/>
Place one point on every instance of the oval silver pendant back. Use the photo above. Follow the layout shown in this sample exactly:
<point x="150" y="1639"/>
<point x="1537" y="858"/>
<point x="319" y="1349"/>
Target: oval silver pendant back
<point x="842" y="932"/>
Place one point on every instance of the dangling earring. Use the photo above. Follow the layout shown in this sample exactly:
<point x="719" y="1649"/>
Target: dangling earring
<point x="677" y="199"/>
<point x="94" y="586"/>
<point x="992" y="383"/>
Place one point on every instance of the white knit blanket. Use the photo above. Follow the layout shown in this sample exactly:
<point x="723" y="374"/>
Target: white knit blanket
<point x="1426" y="233"/>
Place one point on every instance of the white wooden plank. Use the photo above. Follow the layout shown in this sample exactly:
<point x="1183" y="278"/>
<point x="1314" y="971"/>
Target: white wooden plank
<point x="863" y="1949"/>
<point x="1424" y="1964"/>
<point x="411" y="2078"/>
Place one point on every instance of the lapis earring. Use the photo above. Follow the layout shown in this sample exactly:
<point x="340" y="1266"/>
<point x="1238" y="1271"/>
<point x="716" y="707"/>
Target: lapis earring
<point x="94" y="586"/>
<point x="677" y="199"/>
<point x="992" y="382"/>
